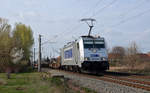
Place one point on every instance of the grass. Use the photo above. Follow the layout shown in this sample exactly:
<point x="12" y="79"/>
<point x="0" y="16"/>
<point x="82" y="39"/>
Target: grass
<point x="88" y="90"/>
<point x="35" y="83"/>
<point x="30" y="83"/>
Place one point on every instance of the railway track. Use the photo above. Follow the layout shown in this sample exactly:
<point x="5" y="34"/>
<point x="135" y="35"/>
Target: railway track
<point x="141" y="77"/>
<point x="127" y="82"/>
<point x="129" y="79"/>
<point x="129" y="75"/>
<point x="131" y="82"/>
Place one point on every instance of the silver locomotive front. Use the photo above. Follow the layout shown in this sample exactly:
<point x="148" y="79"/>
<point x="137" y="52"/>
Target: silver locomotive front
<point x="94" y="54"/>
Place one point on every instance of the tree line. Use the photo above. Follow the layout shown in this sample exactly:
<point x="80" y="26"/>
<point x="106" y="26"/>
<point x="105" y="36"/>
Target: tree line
<point x="15" y="46"/>
<point x="130" y="57"/>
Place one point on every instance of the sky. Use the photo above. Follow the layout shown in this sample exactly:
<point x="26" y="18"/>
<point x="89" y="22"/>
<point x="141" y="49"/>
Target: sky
<point x="120" y="22"/>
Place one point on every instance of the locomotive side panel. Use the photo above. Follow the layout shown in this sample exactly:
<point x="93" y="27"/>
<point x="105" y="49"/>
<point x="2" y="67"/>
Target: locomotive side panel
<point x="69" y="55"/>
<point x="77" y="54"/>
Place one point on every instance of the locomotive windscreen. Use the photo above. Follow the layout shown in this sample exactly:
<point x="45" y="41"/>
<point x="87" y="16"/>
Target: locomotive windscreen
<point x="94" y="43"/>
<point x="94" y="46"/>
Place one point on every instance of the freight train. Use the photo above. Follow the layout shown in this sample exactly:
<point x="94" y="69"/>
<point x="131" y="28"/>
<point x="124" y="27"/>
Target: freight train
<point x="88" y="53"/>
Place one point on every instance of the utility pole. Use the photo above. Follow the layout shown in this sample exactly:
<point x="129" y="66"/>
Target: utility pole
<point x="31" y="61"/>
<point x="39" y="59"/>
<point x="33" y="56"/>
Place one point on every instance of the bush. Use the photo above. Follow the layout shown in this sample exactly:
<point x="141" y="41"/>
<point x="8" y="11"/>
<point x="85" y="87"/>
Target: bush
<point x="8" y="66"/>
<point x="23" y="67"/>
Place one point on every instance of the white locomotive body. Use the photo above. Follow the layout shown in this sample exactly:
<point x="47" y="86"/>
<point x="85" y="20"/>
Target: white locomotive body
<point x="87" y="53"/>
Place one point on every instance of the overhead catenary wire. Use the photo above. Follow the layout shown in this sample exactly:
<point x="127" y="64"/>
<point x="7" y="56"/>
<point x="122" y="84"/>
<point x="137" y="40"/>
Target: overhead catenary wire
<point x="93" y="8"/>
<point x="131" y="18"/>
<point x="48" y="41"/>
<point x="128" y="12"/>
<point x="133" y="8"/>
<point x="102" y="9"/>
<point x="69" y="30"/>
<point x="83" y="15"/>
<point x="78" y="25"/>
<point x="99" y="1"/>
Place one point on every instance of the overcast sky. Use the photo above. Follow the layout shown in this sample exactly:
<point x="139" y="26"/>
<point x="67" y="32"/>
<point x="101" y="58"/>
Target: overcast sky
<point x="119" y="21"/>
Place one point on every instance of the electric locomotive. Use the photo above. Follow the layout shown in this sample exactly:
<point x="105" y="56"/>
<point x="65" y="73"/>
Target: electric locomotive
<point x="88" y="53"/>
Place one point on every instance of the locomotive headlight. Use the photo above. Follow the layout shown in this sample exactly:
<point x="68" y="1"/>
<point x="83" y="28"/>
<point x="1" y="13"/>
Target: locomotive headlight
<point x="86" y="58"/>
<point x="104" y="59"/>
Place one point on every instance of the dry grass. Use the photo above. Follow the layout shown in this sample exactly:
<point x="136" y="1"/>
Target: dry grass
<point x="2" y="82"/>
<point x="138" y="67"/>
<point x="117" y="68"/>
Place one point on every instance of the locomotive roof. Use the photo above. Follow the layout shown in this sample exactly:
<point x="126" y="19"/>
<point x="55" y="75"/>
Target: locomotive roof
<point x="88" y="36"/>
<point x="70" y="43"/>
<point x="93" y="37"/>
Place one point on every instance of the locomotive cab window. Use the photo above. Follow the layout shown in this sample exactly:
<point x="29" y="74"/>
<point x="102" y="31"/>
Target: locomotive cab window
<point x="99" y="46"/>
<point x="88" y="45"/>
<point x="94" y="46"/>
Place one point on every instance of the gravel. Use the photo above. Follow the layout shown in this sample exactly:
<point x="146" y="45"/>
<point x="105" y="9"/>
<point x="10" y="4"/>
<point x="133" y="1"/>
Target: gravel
<point x="98" y="85"/>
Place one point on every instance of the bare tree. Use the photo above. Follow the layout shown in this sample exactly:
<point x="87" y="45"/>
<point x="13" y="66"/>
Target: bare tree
<point x="118" y="52"/>
<point x="132" y="57"/>
<point x="133" y="49"/>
